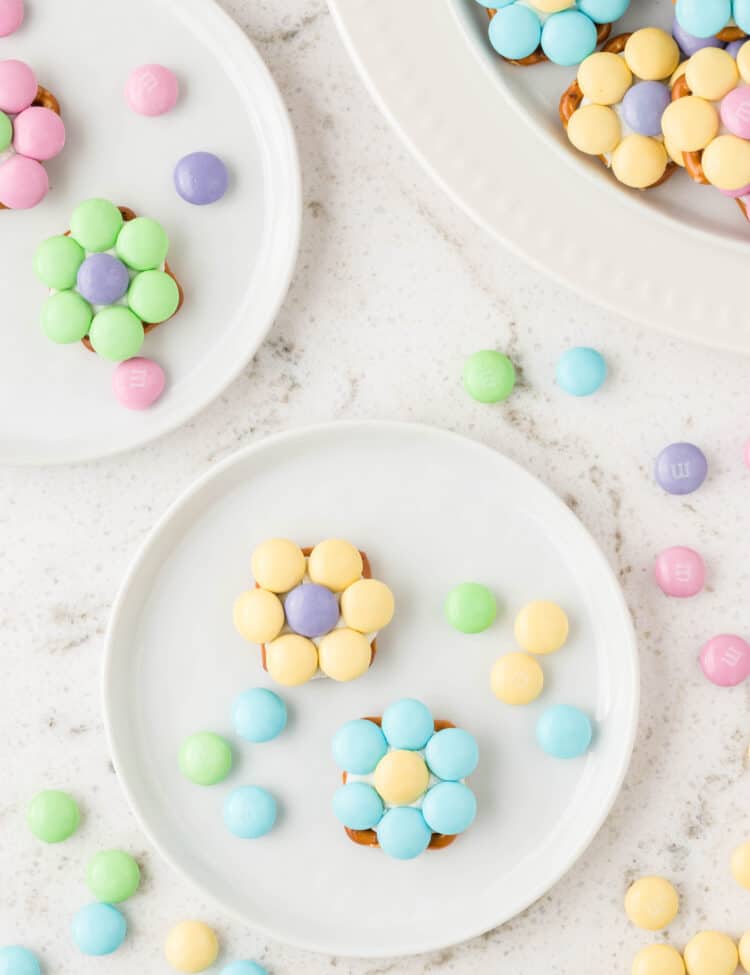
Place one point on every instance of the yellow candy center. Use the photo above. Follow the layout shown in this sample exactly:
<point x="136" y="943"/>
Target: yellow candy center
<point x="401" y="777"/>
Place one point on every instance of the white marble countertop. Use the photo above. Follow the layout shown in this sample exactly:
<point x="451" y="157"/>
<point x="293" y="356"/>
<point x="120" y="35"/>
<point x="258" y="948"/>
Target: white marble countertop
<point x="394" y="288"/>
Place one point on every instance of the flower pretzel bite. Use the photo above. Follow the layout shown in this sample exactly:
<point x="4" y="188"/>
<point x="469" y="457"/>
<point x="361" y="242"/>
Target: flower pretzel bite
<point x="727" y="20"/>
<point x="606" y="113"/>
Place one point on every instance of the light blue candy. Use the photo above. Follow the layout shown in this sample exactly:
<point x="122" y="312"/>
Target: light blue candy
<point x="452" y="754"/>
<point x="358" y="746"/>
<point x="99" y="929"/>
<point x="603" y="11"/>
<point x="449" y="808"/>
<point x="563" y="731"/>
<point x="403" y="834"/>
<point x="702" y="18"/>
<point x="742" y="16"/>
<point x="259" y="715"/>
<point x="249" y="812"/>
<point x="568" y="37"/>
<point x="357" y="805"/>
<point x="17" y="960"/>
<point x="515" y="31"/>
<point x="408" y="724"/>
<point x="581" y="371"/>
<point x="243" y="968"/>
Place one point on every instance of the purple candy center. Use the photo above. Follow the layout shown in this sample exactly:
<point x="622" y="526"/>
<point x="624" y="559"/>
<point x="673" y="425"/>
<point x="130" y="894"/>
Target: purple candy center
<point x="102" y="279"/>
<point x="201" y="178"/>
<point x="311" y="610"/>
<point x="643" y="106"/>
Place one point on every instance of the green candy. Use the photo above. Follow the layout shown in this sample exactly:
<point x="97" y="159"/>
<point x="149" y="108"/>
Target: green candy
<point x="66" y="317"/>
<point x="116" y="334"/>
<point x="205" y="758"/>
<point x="142" y="244"/>
<point x="113" y="876"/>
<point x="56" y="262"/>
<point x="153" y="296"/>
<point x="6" y="131"/>
<point x="470" y="607"/>
<point x="95" y="224"/>
<point x="489" y="376"/>
<point x="53" y="816"/>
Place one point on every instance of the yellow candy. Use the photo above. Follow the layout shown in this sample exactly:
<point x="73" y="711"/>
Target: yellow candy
<point x="658" y="960"/>
<point x="335" y="564"/>
<point x="678" y="72"/>
<point x="594" y="129"/>
<point x="291" y="659"/>
<point x="367" y="605"/>
<point x="552" y="6"/>
<point x="191" y="946"/>
<point x="639" y="161"/>
<point x="745" y="951"/>
<point x="344" y="654"/>
<point x="651" y="54"/>
<point x="278" y="565"/>
<point x="604" y="78"/>
<point x="743" y="62"/>
<point x="690" y="123"/>
<point x="401" y="777"/>
<point x="711" y="953"/>
<point x="740" y="865"/>
<point x="652" y="903"/>
<point x="711" y="73"/>
<point x="516" y="678"/>
<point x="726" y="162"/>
<point x="674" y="153"/>
<point x="258" y="615"/>
<point x="541" y="627"/>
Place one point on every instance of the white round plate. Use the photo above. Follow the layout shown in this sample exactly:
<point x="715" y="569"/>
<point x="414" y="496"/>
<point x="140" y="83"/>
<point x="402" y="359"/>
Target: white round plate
<point x="234" y="258"/>
<point x="667" y="262"/>
<point x="431" y="509"/>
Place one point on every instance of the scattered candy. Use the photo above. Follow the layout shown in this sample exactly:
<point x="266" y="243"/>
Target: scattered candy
<point x="335" y="564"/>
<point x="452" y="754"/>
<point x="11" y="18"/>
<point x="102" y="279"/>
<point x="152" y="90"/>
<point x="564" y="731"/>
<point x="725" y="660"/>
<point x="138" y="383"/>
<point x="489" y="376"/>
<point x="311" y="610"/>
<point x="243" y="968"/>
<point x="367" y="605"/>
<point x="113" y="876"/>
<point x="15" y="959"/>
<point x="259" y="715"/>
<point x="357" y="805"/>
<point x="401" y="777"/>
<point x="681" y="468"/>
<point x="541" y="627"/>
<point x="449" y="808"/>
<point x="740" y="865"/>
<point x="408" y="724"/>
<point x="470" y="607"/>
<point x="581" y="371"/>
<point x="711" y="953"/>
<point x="53" y="816"/>
<point x="99" y="929"/>
<point x="652" y="903"/>
<point x="201" y="178"/>
<point x="358" y="746"/>
<point x="278" y="565"/>
<point x="291" y="659"/>
<point x="658" y="959"/>
<point x="250" y="812"/>
<point x="680" y="572"/>
<point x="205" y="758"/>
<point x="516" y="678"/>
<point x="191" y="946"/>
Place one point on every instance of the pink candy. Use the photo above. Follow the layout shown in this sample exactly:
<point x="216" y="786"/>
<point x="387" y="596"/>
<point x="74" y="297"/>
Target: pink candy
<point x="138" y="383"/>
<point x="38" y="133"/>
<point x="23" y="183"/>
<point x="152" y="90"/>
<point x="735" y="111"/>
<point x="11" y="16"/>
<point x="725" y="660"/>
<point x="17" y="87"/>
<point x="680" y="572"/>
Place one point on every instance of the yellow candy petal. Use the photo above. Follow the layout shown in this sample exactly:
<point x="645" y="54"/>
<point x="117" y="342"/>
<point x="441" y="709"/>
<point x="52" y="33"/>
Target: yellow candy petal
<point x="658" y="960"/>
<point x="651" y="54"/>
<point x="344" y="654"/>
<point x="367" y="606"/>
<point x="258" y="615"/>
<point x="278" y="565"/>
<point x="740" y="865"/>
<point x="291" y="659"/>
<point x="652" y="903"/>
<point x="711" y="73"/>
<point x="594" y="129"/>
<point x="191" y="946"/>
<point x="516" y="678"/>
<point x="335" y="564"/>
<point x="552" y="6"/>
<point x="726" y="162"/>
<point x="743" y="62"/>
<point x="678" y="72"/>
<point x="541" y="627"/>
<point x="639" y="161"/>
<point x="604" y="78"/>
<point x="674" y="153"/>
<point x="401" y="777"/>
<point x="690" y="123"/>
<point x="745" y="951"/>
<point x="711" y="953"/>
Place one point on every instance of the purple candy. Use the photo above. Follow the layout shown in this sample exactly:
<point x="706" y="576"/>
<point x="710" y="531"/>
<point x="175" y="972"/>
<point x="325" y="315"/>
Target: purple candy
<point x="689" y="43"/>
<point x="102" y="279"/>
<point x="311" y="610"/>
<point x="643" y="106"/>
<point x="733" y="47"/>
<point x="681" y="468"/>
<point x="201" y="178"/>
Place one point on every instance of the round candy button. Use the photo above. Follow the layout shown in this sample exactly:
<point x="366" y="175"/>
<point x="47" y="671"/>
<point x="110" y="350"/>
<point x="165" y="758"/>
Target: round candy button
<point x="258" y="615"/>
<point x="449" y="808"/>
<point x="17" y="86"/>
<point x="452" y="754"/>
<point x="102" y="279"/>
<point x="644" y="105"/>
<point x="358" y="746"/>
<point x="291" y="659"/>
<point x="344" y="654"/>
<point x="564" y="731"/>
<point x="408" y="724"/>
<point x="278" y="565"/>
<point x="725" y="660"/>
<point x="56" y="262"/>
<point x="11" y="18"/>
<point x="743" y="62"/>
<point x="66" y="317"/>
<point x="639" y="161"/>
<point x="651" y="54"/>
<point x="604" y="11"/>
<point x="711" y="73"/>
<point x="652" y="903"/>
<point x="201" y="178"/>
<point x="138" y="383"/>
<point x="658" y="959"/>
<point x="470" y="607"/>
<point x="516" y="678"/>
<point x="142" y="244"/>
<point x="690" y="123"/>
<point x="711" y="953"/>
<point x="311" y="610"/>
<point x="38" y="133"/>
<point x="154" y="296"/>
<point x="243" y="967"/>
<point x="489" y="376"/>
<point x="581" y="371"/>
<point x="205" y="758"/>
<point x="594" y="129"/>
<point x="113" y="876"/>
<point x="53" y="816"/>
<point x="250" y="812"/>
<point x="689" y="43"/>
<point x="568" y="37"/>
<point x="541" y="627"/>
<point x="99" y="929"/>
<point x="335" y="564"/>
<point x="745" y="951"/>
<point x="680" y="572"/>
<point x="726" y="162"/>
<point x="259" y="715"/>
<point x="740" y="865"/>
<point x="515" y="31"/>
<point x="403" y="834"/>
<point x="95" y="224"/>
<point x="151" y="89"/>
<point x="735" y="112"/>
<point x="604" y="78"/>
<point x="702" y="18"/>
<point x="401" y="777"/>
<point x="116" y="333"/>
<point x="681" y="468"/>
<point x="357" y="806"/>
<point x="15" y="959"/>
<point x="191" y="946"/>
<point x="23" y="183"/>
<point x="367" y="605"/>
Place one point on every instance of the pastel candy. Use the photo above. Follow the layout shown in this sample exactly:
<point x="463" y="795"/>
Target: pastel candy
<point x="743" y="62"/>
<point x="516" y="678"/>
<point x="357" y="806"/>
<point x="725" y="660"/>
<point x="6" y="131"/>
<point x="489" y="376"/>
<point x="604" y="11"/>
<point x="711" y="73"/>
<point x="18" y="86"/>
<point x="452" y="754"/>
<point x="541" y="627"/>
<point x="142" y="244"/>
<point x="564" y="731"/>
<point x="102" y="279"/>
<point x="651" y="54"/>
<point x="99" y="929"/>
<point x="652" y="903"/>
<point x="702" y="18"/>
<point x="594" y="129"/>
<point x="53" y="816"/>
<point x="11" y="18"/>
<point x="138" y="383"/>
<point x="581" y="371"/>
<point x="95" y="224"/>
<point x="116" y="333"/>
<point x="740" y="865"/>
<point x="57" y="260"/>
<point x="335" y="564"/>
<point x="205" y="758"/>
<point x="470" y="607"/>
<point x="358" y="746"/>
<point x="515" y="31"/>
<point x="401" y="777"/>
<point x="367" y="605"/>
<point x="66" y="317"/>
<point x="311" y="610"/>
<point x="15" y="959"/>
<point x="568" y="37"/>
<point x="201" y="178"/>
<point x="604" y="78"/>
<point x="741" y="12"/>
<point x="258" y="615"/>
<point x="259" y="715"/>
<point x="408" y="724"/>
<point x="644" y="105"/>
<point x="113" y="876"/>
<point x="250" y="812"/>
<point x="726" y="162"/>
<point x="449" y="808"/>
<point x="291" y="659"/>
<point x="38" y="133"/>
<point x="639" y="161"/>
<point x="711" y="953"/>
<point x="680" y="572"/>
<point x="403" y="833"/>
<point x="344" y="654"/>
<point x="151" y="89"/>
<point x="681" y="468"/>
<point x="744" y="951"/>
<point x="23" y="183"/>
<point x="689" y="43"/>
<point x="734" y="47"/>
<point x="243" y="967"/>
<point x="658" y="959"/>
<point x="735" y="112"/>
<point x="191" y="946"/>
<point x="278" y="565"/>
<point x="690" y="123"/>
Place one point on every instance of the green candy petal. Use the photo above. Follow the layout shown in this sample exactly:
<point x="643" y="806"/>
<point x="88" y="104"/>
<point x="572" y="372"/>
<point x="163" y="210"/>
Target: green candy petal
<point x="66" y="317"/>
<point x="57" y="261"/>
<point x="153" y="296"/>
<point x="142" y="244"/>
<point x="116" y="334"/>
<point x="6" y="131"/>
<point x="95" y="224"/>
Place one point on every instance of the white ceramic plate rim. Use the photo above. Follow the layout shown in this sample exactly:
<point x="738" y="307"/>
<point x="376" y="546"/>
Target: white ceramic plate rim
<point x="153" y="542"/>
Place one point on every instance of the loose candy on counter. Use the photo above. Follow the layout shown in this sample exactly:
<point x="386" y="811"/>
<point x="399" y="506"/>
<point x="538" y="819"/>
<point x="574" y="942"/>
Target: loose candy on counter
<point x="205" y="758"/>
<point x="681" y="468"/>
<point x="11" y="16"/>
<point x="250" y="812"/>
<point x="15" y="959"/>
<point x="740" y="865"/>
<point x="652" y="903"/>
<point x="470" y="607"/>
<point x="581" y="371"/>
<point x="191" y="946"/>
<point x="725" y="660"/>
<point x="711" y="953"/>
<point x="152" y="89"/>
<point x="658" y="959"/>
<point x="541" y="627"/>
<point x="680" y="572"/>
<point x="99" y="929"/>
<point x="243" y="967"/>
<point x="516" y="678"/>
<point x="113" y="876"/>
<point x="259" y="715"/>
<point x="138" y="382"/>
<point x="53" y="816"/>
<point x="564" y="731"/>
<point x="489" y="376"/>
<point x="201" y="178"/>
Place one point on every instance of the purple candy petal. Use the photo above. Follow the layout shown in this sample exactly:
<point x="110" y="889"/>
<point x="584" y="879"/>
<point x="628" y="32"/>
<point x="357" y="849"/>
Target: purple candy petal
<point x="311" y="610"/>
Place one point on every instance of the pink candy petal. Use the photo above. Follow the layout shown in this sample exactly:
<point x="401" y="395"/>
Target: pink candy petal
<point x="23" y="183"/>
<point x="11" y="16"/>
<point x="17" y="86"/>
<point x="138" y="383"/>
<point x="38" y="133"/>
